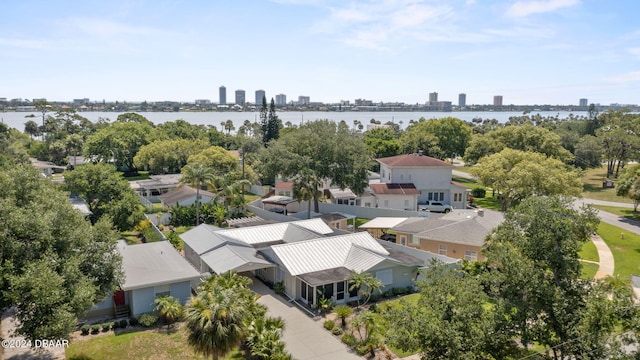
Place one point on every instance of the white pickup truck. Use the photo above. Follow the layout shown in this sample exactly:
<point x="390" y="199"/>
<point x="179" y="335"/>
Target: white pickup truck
<point x="435" y="206"/>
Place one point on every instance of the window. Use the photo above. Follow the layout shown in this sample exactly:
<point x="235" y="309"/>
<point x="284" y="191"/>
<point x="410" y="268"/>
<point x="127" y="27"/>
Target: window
<point x="386" y="276"/>
<point x="160" y="291"/>
<point x="406" y="203"/>
<point x="401" y="177"/>
<point x="340" y="290"/>
<point x="442" y="249"/>
<point x="430" y="196"/>
<point x="409" y="177"/>
<point x="382" y="173"/>
<point x="303" y="290"/>
<point x="413" y="240"/>
<point x="386" y="203"/>
<point x="441" y="196"/>
<point x="470" y="255"/>
<point x="403" y="240"/>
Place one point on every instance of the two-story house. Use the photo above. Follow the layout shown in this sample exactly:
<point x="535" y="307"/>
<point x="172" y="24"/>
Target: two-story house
<point x="409" y="180"/>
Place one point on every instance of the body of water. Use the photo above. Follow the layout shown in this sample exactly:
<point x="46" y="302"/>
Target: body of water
<point x="17" y="119"/>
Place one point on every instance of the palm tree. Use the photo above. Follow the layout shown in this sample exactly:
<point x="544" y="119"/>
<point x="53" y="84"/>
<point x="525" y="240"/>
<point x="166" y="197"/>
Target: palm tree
<point x="229" y="190"/>
<point x="217" y="317"/>
<point x="265" y="337"/>
<point x="343" y="312"/>
<point x="305" y="188"/>
<point x="365" y="283"/>
<point x="169" y="309"/>
<point x="197" y="175"/>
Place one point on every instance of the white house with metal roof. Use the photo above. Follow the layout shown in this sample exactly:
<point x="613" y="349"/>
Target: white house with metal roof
<point x="312" y="260"/>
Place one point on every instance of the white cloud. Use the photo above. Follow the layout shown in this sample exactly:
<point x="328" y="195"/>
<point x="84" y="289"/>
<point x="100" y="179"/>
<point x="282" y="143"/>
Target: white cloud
<point x="634" y="51"/>
<point x="526" y="8"/>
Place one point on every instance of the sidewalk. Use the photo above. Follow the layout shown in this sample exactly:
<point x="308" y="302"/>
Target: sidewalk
<point x="305" y="338"/>
<point x="607" y="264"/>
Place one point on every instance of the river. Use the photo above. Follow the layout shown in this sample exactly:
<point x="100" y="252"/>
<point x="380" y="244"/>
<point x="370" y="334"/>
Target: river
<point x="17" y="119"/>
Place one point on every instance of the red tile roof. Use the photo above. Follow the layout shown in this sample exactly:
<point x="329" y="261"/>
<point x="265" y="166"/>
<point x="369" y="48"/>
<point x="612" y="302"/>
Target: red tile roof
<point x="286" y="185"/>
<point x="412" y="160"/>
<point x="395" y="189"/>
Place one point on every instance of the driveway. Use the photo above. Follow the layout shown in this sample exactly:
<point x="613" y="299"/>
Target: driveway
<point x="305" y="338"/>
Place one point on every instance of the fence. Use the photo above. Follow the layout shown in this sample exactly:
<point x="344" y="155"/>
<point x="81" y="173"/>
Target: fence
<point x="259" y="190"/>
<point x="368" y="212"/>
<point x="152" y="218"/>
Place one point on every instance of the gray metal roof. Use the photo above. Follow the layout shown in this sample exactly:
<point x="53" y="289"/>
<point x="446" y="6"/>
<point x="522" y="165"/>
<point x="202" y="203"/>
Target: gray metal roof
<point x="415" y="225"/>
<point x="233" y="257"/>
<point x="274" y="232"/>
<point x="382" y="223"/>
<point x="326" y="276"/>
<point x="308" y="256"/>
<point x="204" y="237"/>
<point x="152" y="264"/>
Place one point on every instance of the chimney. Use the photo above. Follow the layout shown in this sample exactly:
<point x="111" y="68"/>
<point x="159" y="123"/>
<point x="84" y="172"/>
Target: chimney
<point x="419" y="152"/>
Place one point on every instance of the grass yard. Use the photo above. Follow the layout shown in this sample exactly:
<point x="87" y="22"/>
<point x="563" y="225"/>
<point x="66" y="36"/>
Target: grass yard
<point x="589" y="252"/>
<point x="148" y="344"/>
<point x="360" y="221"/>
<point x="620" y="211"/>
<point x="131" y="237"/>
<point x="589" y="270"/>
<point x="592" y="186"/>
<point x="142" y="175"/>
<point x="625" y="247"/>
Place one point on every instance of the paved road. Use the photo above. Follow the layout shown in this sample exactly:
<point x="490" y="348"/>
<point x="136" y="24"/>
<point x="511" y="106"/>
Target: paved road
<point x="305" y="338"/>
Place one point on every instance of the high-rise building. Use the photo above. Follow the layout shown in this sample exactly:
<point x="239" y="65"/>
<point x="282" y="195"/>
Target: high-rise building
<point x="281" y="99"/>
<point x="433" y="97"/>
<point x="223" y="95"/>
<point x="304" y="100"/>
<point x="240" y="97"/>
<point x="584" y="102"/>
<point x="462" y="100"/>
<point x="497" y="100"/>
<point x="260" y="94"/>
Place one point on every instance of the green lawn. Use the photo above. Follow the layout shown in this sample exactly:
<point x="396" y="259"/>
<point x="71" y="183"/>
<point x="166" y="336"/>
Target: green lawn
<point x="462" y="168"/>
<point x="592" y="186"/>
<point x="625" y="247"/>
<point x="589" y="270"/>
<point x="620" y="211"/>
<point x="148" y="344"/>
<point x="360" y="221"/>
<point x="142" y="175"/>
<point x="589" y="252"/>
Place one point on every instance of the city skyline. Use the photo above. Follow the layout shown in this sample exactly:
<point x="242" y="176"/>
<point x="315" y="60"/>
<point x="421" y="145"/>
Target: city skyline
<point x="531" y="52"/>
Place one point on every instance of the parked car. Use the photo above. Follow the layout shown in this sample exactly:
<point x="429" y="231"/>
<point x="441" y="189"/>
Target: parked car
<point x="435" y="206"/>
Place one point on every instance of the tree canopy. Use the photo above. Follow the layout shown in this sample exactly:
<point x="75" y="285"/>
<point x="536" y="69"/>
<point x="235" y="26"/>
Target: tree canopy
<point x="168" y="156"/>
<point x="53" y="266"/>
<point x="330" y="150"/>
<point x="441" y="138"/>
<point x="519" y="174"/>
<point x="629" y="184"/>
<point x="107" y="193"/>
<point x="525" y="137"/>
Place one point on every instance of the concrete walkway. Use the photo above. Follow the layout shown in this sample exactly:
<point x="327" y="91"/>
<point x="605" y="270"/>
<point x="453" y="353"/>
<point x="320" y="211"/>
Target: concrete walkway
<point x="607" y="264"/>
<point x="305" y="338"/>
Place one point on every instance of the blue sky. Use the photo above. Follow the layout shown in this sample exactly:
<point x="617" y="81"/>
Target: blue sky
<point x="529" y="51"/>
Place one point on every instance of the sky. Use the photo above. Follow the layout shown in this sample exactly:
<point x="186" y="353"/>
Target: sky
<point x="528" y="51"/>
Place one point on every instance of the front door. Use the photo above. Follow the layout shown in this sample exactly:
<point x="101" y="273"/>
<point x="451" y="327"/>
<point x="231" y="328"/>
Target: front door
<point x="118" y="297"/>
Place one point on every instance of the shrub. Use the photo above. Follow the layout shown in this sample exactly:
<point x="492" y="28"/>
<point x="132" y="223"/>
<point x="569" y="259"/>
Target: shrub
<point x="150" y="235"/>
<point x="362" y="350"/>
<point x="84" y="330"/>
<point x="105" y="327"/>
<point x="336" y="331"/>
<point x="373" y="308"/>
<point x="123" y="324"/>
<point x="278" y="288"/>
<point x="175" y="240"/>
<point x="343" y="312"/>
<point x="133" y="321"/>
<point x="329" y="324"/>
<point x="95" y="329"/>
<point x="398" y="291"/>
<point x="349" y="339"/>
<point x="148" y="319"/>
<point x="478" y="192"/>
<point x="387" y="294"/>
